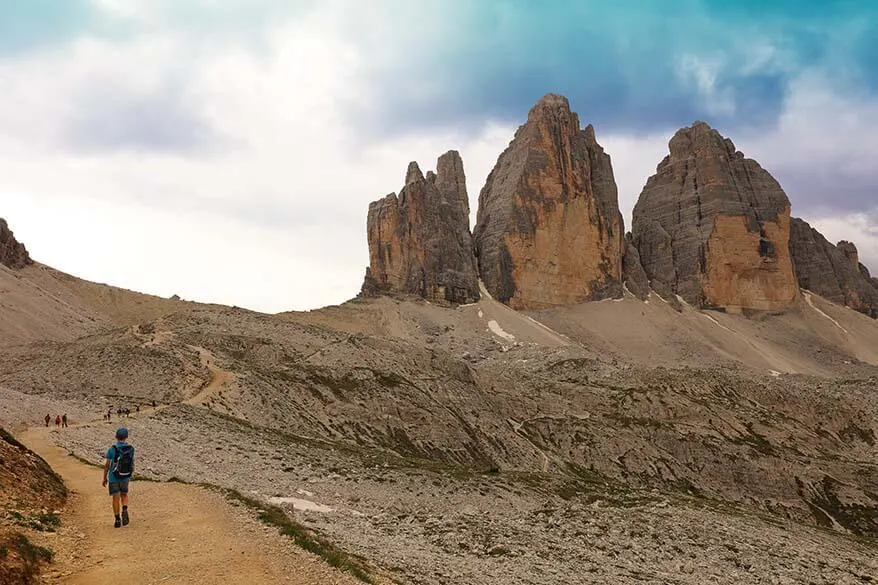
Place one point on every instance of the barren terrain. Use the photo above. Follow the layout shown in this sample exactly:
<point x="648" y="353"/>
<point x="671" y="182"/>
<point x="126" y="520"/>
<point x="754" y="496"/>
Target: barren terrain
<point x="618" y="441"/>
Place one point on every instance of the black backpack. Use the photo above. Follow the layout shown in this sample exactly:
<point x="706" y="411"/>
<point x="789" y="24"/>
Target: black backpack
<point x="123" y="461"/>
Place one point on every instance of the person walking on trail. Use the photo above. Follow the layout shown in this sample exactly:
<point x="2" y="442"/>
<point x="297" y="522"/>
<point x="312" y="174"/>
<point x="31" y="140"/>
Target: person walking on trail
<point x="47" y="419"/>
<point x="57" y="420"/>
<point x="118" y="469"/>
<point x="64" y="421"/>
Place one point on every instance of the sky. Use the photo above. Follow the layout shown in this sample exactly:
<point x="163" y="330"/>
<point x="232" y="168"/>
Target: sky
<point x="227" y="150"/>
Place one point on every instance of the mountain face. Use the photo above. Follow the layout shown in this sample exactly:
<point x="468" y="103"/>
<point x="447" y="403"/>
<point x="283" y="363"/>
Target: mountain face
<point x="713" y="227"/>
<point x="633" y="274"/>
<point x="549" y="231"/>
<point x="12" y="253"/>
<point x="833" y="272"/>
<point x="419" y="241"/>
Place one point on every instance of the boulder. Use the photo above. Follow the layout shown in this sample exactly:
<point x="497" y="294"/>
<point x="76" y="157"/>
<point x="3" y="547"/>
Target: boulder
<point x="548" y="230"/>
<point x="712" y="227"/>
<point x="833" y="272"/>
<point x="12" y="253"/>
<point x="419" y="241"/>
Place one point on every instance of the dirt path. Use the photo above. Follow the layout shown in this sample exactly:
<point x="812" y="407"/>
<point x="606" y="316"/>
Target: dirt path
<point x="219" y="378"/>
<point x="179" y="534"/>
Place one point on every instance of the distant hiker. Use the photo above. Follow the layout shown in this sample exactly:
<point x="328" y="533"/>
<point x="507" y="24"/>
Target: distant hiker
<point x="48" y="418"/>
<point x="119" y="412"/>
<point x="57" y="420"/>
<point x="153" y="403"/>
<point x="137" y="408"/>
<point x="64" y="421"/>
<point x="118" y="470"/>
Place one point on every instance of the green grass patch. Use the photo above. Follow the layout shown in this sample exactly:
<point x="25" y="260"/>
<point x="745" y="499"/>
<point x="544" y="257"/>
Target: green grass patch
<point x="83" y="460"/>
<point x="305" y="538"/>
<point x="31" y="552"/>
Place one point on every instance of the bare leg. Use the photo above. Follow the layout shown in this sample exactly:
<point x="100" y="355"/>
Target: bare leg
<point x="116" y="506"/>
<point x="124" y="499"/>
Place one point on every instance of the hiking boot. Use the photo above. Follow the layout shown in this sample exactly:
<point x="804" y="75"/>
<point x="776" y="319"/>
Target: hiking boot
<point x="117" y="523"/>
<point x="125" y="517"/>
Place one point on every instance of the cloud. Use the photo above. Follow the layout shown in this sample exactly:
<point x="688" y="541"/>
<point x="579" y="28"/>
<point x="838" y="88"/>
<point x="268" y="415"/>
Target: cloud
<point x="659" y="67"/>
<point x="25" y="25"/>
<point x="112" y="118"/>
<point x="822" y="149"/>
<point x="228" y="151"/>
<point x="273" y="221"/>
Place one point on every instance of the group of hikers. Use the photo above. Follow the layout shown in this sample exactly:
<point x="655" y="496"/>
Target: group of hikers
<point x="60" y="420"/>
<point x="120" y="412"/>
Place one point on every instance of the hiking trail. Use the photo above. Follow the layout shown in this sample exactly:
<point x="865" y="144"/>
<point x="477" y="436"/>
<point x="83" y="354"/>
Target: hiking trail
<point x="219" y="378"/>
<point x="179" y="534"/>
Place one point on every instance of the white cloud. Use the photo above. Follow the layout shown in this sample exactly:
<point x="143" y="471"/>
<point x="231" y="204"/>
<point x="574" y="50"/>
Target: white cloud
<point x="273" y="220"/>
<point x="272" y="214"/>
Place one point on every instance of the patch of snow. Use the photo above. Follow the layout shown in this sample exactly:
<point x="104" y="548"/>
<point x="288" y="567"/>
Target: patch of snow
<point x="813" y="306"/>
<point x="467" y="305"/>
<point x="300" y="504"/>
<point x="498" y="331"/>
<point x="774" y="373"/>
<point x="481" y="314"/>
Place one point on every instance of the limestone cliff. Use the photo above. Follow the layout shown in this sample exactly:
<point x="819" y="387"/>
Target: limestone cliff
<point x="713" y="227"/>
<point x="549" y="231"/>
<point x="633" y="275"/>
<point x="419" y="240"/>
<point x="833" y="272"/>
<point x="12" y="253"/>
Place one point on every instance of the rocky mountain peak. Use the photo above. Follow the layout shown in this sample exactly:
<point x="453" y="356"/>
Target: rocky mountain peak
<point x="850" y="252"/>
<point x="451" y="181"/>
<point x="12" y="253"/>
<point x="833" y="272"/>
<point x="420" y="242"/>
<point x="712" y="227"/>
<point x="551" y="102"/>
<point x="549" y="231"/>
<point x="413" y="173"/>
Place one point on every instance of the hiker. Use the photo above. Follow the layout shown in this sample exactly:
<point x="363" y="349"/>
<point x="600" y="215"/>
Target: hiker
<point x="137" y="408"/>
<point x="57" y="420"/>
<point x="118" y="469"/>
<point x="48" y="418"/>
<point x="153" y="403"/>
<point x="64" y="421"/>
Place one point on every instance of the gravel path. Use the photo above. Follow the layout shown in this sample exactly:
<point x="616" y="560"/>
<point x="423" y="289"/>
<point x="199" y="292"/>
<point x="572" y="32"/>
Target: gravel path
<point x="178" y="534"/>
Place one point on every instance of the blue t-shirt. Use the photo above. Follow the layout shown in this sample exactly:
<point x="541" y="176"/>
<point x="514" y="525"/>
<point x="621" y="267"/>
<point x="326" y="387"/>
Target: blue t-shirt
<point x="111" y="455"/>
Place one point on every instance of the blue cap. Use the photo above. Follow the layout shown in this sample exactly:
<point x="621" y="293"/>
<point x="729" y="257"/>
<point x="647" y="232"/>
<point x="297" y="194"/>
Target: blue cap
<point x="121" y="433"/>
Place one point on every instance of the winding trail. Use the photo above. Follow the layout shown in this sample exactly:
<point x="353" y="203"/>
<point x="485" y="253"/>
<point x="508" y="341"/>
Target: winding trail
<point x="179" y="534"/>
<point x="219" y="378"/>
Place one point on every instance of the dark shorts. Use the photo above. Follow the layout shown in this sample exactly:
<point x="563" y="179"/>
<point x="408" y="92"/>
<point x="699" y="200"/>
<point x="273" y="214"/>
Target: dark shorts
<point x="118" y="487"/>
